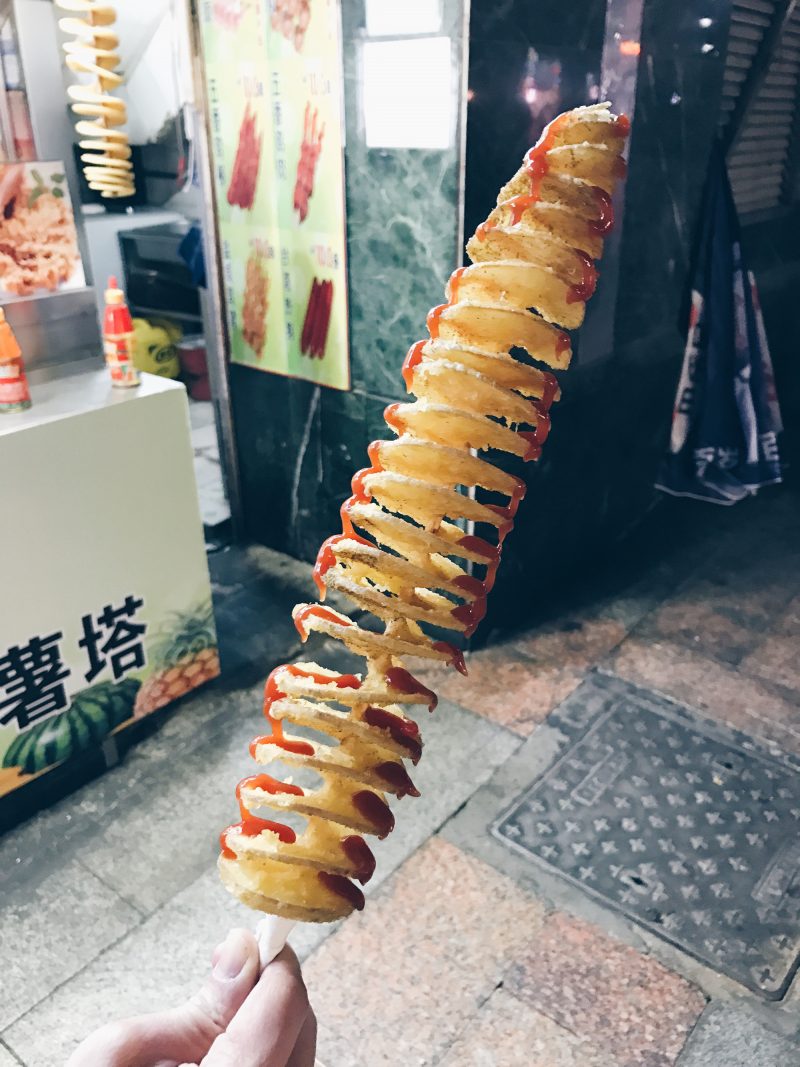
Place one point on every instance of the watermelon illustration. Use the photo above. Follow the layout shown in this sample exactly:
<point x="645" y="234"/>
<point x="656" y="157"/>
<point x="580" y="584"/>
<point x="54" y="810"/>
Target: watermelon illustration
<point x="93" y="714"/>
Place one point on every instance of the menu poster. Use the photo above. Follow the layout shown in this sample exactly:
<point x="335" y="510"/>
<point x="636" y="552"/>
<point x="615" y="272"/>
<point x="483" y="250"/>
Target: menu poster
<point x="38" y="240"/>
<point x="273" y="80"/>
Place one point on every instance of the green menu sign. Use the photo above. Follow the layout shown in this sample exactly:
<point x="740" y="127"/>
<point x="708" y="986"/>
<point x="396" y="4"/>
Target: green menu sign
<point x="274" y="89"/>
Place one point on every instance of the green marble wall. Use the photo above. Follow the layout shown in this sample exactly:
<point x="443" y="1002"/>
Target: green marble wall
<point x="402" y="221"/>
<point x="299" y="444"/>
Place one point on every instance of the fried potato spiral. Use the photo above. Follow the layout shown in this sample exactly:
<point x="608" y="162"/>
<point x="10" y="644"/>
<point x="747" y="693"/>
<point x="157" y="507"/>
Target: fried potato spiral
<point x="91" y="54"/>
<point x="411" y="562"/>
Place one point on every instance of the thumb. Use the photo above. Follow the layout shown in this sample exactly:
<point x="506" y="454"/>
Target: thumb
<point x="183" y="1034"/>
<point x="235" y="970"/>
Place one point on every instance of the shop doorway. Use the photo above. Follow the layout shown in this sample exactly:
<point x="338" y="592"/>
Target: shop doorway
<point x="153" y="241"/>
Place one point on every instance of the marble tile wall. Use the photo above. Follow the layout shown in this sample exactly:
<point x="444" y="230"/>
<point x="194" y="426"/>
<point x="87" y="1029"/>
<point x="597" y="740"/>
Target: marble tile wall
<point x="299" y="444"/>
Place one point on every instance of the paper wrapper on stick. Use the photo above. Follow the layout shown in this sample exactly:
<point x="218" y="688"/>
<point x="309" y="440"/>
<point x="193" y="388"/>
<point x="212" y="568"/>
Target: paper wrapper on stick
<point x="272" y="933"/>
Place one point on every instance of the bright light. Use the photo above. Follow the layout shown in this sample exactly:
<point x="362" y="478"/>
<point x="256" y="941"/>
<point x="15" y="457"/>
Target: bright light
<point x="707" y="48"/>
<point x="387" y="18"/>
<point x="629" y="48"/>
<point x="705" y="23"/>
<point x="408" y="93"/>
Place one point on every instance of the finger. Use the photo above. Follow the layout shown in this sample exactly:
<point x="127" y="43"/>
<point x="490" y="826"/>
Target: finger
<point x="305" y="1050"/>
<point x="265" y="1029"/>
<point x="185" y="1033"/>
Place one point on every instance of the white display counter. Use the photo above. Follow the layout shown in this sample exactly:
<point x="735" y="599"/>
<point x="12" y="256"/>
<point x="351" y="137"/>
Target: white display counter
<point x="105" y="612"/>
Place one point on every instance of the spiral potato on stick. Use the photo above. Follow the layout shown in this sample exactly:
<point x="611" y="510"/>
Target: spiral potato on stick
<point x="91" y="54"/>
<point x="404" y="554"/>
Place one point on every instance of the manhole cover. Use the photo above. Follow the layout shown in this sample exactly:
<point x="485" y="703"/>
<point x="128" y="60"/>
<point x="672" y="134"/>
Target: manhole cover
<point x="689" y="829"/>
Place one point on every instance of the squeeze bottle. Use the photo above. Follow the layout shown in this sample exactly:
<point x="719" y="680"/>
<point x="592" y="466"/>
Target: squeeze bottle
<point x="14" y="392"/>
<point x="118" y="338"/>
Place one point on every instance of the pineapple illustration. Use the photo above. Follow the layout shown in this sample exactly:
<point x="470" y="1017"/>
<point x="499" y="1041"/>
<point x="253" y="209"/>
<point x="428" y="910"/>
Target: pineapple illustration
<point x="184" y="657"/>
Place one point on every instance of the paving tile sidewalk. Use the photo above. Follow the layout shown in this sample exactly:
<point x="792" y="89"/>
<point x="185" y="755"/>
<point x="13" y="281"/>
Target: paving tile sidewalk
<point x="461" y="959"/>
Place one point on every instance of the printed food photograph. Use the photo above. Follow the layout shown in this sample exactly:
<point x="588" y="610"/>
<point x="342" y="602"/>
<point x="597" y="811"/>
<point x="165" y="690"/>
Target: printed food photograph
<point x="255" y="303"/>
<point x="229" y="13"/>
<point x="244" y="175"/>
<point x="317" y="319"/>
<point x="401" y="534"/>
<point x="310" y="149"/>
<point x="38" y="240"/>
<point x="290" y="18"/>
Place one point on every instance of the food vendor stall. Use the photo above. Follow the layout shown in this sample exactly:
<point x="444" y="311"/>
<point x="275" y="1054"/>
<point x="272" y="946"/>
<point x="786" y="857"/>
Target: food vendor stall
<point x="107" y="603"/>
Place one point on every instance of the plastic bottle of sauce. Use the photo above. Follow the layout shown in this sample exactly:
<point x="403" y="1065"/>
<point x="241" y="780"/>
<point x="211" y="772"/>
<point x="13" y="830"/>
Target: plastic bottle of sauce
<point x="14" y="392"/>
<point x="118" y="338"/>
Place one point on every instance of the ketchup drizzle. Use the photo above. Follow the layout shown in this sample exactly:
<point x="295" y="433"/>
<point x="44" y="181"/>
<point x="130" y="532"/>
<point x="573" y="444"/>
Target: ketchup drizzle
<point x="470" y="615"/>
<point x="394" y="419"/>
<point x="360" y="855"/>
<point x="375" y="811"/>
<point x="397" y="777"/>
<point x="433" y="320"/>
<point x="605" y="217"/>
<point x="318" y="612"/>
<point x="341" y="681"/>
<point x="342" y="887"/>
<point x="536" y="438"/>
<point x="374" y="453"/>
<point x="299" y="748"/>
<point x="470" y="584"/>
<point x="251" y="825"/>
<point x="518" y="205"/>
<point x="344" y="515"/>
<point x="404" y="682"/>
<point x="586" y="286"/>
<point x="455" y="656"/>
<point x="361" y="494"/>
<point x="453" y="284"/>
<point x="269" y="785"/>
<point x="479" y="546"/>
<point x="549" y="393"/>
<point x="563" y="343"/>
<point x="412" y="360"/>
<point x="326" y="557"/>
<point x="404" y="732"/>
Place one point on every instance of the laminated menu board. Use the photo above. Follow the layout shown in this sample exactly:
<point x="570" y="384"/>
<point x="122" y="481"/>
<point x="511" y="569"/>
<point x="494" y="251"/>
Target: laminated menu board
<point x="38" y="240"/>
<point x="274" y="86"/>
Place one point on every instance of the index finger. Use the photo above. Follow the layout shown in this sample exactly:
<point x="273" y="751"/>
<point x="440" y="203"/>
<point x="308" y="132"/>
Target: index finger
<point x="265" y="1029"/>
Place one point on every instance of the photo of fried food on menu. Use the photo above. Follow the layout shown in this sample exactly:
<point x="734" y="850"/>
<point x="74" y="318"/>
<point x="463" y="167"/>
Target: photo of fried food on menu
<point x="38" y="241"/>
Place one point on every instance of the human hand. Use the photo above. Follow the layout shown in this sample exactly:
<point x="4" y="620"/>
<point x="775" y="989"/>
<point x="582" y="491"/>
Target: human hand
<point x="240" y="1018"/>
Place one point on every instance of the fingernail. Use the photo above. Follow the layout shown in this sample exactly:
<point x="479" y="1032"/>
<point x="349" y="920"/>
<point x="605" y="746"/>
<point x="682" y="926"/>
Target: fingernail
<point x="231" y="956"/>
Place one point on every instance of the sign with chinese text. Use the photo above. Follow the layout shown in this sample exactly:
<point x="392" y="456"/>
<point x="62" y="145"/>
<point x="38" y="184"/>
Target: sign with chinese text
<point x="274" y="86"/>
<point x="104" y="575"/>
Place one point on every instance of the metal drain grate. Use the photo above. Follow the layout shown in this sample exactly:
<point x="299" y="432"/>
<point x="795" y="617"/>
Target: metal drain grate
<point x="688" y="828"/>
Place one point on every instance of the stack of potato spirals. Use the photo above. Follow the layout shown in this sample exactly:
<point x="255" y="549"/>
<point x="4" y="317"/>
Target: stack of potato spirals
<point x="107" y="156"/>
<point x="408" y="563"/>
